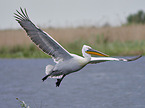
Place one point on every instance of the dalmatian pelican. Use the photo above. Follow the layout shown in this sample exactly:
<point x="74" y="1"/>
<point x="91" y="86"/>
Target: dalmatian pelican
<point x="66" y="62"/>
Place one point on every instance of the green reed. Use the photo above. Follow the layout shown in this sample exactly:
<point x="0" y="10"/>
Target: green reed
<point x="99" y="42"/>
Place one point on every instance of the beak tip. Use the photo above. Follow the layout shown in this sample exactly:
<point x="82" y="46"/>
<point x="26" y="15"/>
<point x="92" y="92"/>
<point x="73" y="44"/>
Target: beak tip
<point x="107" y="55"/>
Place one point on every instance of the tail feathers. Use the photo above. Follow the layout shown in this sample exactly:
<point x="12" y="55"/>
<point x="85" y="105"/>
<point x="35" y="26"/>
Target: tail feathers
<point x="49" y="69"/>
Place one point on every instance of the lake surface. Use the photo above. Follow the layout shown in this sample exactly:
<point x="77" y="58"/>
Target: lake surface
<point x="104" y="85"/>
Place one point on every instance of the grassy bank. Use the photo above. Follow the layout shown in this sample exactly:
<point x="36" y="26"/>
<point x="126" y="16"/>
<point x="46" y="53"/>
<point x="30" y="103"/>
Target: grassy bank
<point x="115" y="41"/>
<point x="116" y="48"/>
<point x="29" y="51"/>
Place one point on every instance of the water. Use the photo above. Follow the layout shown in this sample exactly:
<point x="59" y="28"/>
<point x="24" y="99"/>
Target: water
<point x="104" y="85"/>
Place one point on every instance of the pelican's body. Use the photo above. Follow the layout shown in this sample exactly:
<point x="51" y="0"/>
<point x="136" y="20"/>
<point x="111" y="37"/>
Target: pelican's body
<point x="66" y="62"/>
<point x="72" y="65"/>
<point x="68" y="65"/>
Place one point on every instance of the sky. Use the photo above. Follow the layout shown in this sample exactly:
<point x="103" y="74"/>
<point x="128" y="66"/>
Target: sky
<point x="69" y="13"/>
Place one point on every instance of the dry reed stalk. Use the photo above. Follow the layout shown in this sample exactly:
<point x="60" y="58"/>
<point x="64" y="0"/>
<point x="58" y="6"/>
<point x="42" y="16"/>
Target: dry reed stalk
<point x="67" y="35"/>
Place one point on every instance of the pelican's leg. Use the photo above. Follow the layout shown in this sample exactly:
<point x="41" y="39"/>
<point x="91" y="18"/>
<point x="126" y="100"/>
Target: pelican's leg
<point x="44" y="78"/>
<point x="59" y="81"/>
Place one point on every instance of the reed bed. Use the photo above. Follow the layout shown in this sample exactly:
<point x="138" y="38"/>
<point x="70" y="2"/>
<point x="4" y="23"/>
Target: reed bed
<point x="116" y="41"/>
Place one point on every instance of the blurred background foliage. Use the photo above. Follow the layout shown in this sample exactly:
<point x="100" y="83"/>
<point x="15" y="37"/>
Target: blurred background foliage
<point x="136" y="18"/>
<point x="125" y="40"/>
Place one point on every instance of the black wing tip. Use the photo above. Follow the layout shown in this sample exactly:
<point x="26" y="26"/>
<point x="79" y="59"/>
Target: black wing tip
<point x="135" y="58"/>
<point x="21" y="15"/>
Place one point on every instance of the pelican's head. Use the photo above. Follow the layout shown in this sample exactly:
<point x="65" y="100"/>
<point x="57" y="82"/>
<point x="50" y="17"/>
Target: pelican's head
<point x="87" y="51"/>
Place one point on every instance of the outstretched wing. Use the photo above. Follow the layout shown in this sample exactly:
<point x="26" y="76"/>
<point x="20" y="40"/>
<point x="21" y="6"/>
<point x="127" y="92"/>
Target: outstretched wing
<point x="103" y="59"/>
<point x="43" y="40"/>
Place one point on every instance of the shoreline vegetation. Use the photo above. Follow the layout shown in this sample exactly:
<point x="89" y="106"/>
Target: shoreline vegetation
<point x="115" y="41"/>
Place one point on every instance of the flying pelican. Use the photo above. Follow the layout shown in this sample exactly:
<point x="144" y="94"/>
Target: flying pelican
<point x="66" y="62"/>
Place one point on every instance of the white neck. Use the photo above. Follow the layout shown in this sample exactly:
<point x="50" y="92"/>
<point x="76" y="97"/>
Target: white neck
<point x="86" y="56"/>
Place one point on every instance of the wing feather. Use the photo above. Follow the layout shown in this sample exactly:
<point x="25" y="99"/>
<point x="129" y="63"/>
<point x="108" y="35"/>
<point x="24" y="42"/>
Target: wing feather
<point x="43" y="40"/>
<point x="104" y="59"/>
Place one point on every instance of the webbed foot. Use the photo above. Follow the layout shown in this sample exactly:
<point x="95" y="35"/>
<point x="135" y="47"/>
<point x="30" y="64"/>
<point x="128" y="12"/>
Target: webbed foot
<point x="58" y="82"/>
<point x="45" y="77"/>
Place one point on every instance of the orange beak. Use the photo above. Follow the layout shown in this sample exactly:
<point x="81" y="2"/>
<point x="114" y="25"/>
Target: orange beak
<point x="95" y="52"/>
